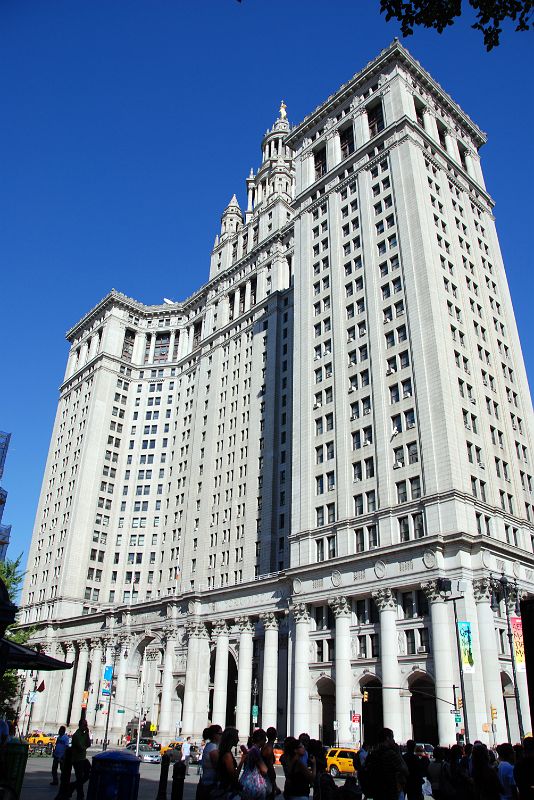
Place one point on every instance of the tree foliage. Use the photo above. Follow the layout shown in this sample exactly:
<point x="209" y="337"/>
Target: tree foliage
<point x="12" y="574"/>
<point x="440" y="14"/>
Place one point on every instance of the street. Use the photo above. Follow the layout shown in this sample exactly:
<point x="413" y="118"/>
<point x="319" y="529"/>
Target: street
<point x="37" y="780"/>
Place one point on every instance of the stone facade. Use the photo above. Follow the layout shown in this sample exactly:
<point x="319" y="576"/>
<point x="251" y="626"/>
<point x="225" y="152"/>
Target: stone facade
<point x="260" y="486"/>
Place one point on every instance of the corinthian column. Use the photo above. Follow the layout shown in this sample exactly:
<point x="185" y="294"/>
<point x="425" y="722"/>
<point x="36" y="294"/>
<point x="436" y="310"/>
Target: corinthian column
<point x="301" y="691"/>
<point x="269" y="694"/>
<point x="386" y="601"/>
<point x="94" y="680"/>
<point x="120" y="691"/>
<point x="220" y="684"/>
<point x="81" y="676"/>
<point x="66" y="686"/>
<point x="444" y="659"/>
<point x="343" y="670"/>
<point x="165" y="715"/>
<point x="491" y="670"/>
<point x="244" y="675"/>
<point x="188" y="713"/>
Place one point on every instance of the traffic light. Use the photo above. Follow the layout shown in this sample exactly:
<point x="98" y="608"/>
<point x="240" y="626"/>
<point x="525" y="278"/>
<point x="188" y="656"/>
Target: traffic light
<point x="365" y="696"/>
<point x="493" y="712"/>
<point x="460" y="702"/>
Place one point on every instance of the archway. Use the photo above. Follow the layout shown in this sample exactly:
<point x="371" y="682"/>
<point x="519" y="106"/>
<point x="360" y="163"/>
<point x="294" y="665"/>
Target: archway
<point x="327" y="692"/>
<point x="510" y="709"/>
<point x="231" y="690"/>
<point x="423" y="709"/>
<point x="372" y="711"/>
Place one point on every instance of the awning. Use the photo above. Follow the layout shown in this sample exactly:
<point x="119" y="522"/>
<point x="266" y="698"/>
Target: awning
<point x="17" y="656"/>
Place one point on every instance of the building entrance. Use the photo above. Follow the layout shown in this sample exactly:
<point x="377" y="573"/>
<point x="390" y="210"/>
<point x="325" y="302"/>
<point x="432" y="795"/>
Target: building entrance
<point x="327" y="692"/>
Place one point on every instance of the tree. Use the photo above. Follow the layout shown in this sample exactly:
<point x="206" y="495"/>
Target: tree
<point x="12" y="574"/>
<point x="439" y="14"/>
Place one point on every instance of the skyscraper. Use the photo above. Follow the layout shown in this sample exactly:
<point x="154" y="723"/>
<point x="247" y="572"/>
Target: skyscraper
<point x="252" y="497"/>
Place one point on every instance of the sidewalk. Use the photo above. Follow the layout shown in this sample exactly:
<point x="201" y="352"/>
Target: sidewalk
<point x="37" y="781"/>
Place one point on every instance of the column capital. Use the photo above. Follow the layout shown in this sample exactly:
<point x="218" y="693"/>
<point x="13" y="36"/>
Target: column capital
<point x="219" y="628"/>
<point x="168" y="632"/>
<point x="83" y="645"/>
<point x="482" y="590"/>
<point x="68" y="647"/>
<point x="270" y="620"/>
<point x="340" y="606"/>
<point x="301" y="612"/>
<point x="245" y="624"/>
<point x="385" y="599"/>
<point x="96" y="644"/>
<point x="432" y="591"/>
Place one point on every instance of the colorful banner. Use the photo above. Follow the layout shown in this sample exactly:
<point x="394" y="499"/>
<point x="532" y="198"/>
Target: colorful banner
<point x="466" y="646"/>
<point x="106" y="680"/>
<point x="519" y="645"/>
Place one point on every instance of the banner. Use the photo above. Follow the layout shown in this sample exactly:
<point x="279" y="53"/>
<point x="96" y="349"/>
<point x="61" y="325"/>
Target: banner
<point x="466" y="646"/>
<point x="519" y="645"/>
<point x="106" y="680"/>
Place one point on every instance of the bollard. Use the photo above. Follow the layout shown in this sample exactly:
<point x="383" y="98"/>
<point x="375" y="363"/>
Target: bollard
<point x="163" y="777"/>
<point x="178" y="778"/>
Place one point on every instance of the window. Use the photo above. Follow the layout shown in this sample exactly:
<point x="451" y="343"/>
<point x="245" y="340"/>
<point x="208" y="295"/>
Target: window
<point x="320" y="162"/>
<point x="346" y="139"/>
<point x="375" y="119"/>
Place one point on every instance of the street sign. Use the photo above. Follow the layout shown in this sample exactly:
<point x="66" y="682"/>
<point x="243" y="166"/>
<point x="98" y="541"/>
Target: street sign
<point x="356" y="718"/>
<point x="255" y="711"/>
<point x="458" y="719"/>
<point x="120" y="711"/>
<point x="452" y="711"/>
<point x="152" y="728"/>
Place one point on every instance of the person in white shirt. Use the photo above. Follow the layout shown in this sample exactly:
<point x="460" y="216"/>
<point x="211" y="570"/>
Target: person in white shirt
<point x="186" y="753"/>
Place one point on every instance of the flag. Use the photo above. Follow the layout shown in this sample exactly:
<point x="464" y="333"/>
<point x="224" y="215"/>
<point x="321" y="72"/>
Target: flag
<point x="41" y="687"/>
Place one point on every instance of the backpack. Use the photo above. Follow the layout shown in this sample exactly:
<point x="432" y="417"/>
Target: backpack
<point x="253" y="784"/>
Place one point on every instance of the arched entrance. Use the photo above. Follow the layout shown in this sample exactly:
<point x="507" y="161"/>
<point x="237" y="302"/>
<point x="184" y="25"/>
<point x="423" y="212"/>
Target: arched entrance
<point x="327" y="693"/>
<point x="231" y="688"/>
<point x="510" y="710"/>
<point x="423" y="709"/>
<point x="372" y="712"/>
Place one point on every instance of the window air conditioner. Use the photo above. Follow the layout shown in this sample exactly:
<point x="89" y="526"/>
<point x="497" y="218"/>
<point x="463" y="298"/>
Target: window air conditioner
<point x="421" y="649"/>
<point x="366" y="443"/>
<point x="481" y="465"/>
<point x="398" y="465"/>
<point x="353" y="417"/>
<point x="366" y="411"/>
<point x="473" y="401"/>
<point x="410" y="425"/>
<point x="351" y="389"/>
<point x="407" y="394"/>
<point x="361" y="656"/>
<point x="389" y="371"/>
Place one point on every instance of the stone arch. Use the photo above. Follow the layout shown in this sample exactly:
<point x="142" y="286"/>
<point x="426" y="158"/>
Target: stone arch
<point x="372" y="709"/>
<point x="326" y="692"/>
<point x="423" y="707"/>
<point x="510" y="709"/>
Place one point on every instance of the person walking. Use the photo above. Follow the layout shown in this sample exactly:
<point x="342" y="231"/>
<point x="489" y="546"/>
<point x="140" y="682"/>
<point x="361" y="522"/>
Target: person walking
<point x="524" y="771"/>
<point x="186" y="754"/>
<point x="62" y="742"/>
<point x="385" y="773"/>
<point x="227" y="769"/>
<point x="505" y="771"/>
<point x="80" y="764"/>
<point x="267" y="753"/>
<point x="485" y="778"/>
<point x="210" y="754"/>
<point x="416" y="772"/>
<point x="299" y="777"/>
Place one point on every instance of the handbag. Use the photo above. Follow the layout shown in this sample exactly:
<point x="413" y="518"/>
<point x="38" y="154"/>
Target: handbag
<point x="253" y="784"/>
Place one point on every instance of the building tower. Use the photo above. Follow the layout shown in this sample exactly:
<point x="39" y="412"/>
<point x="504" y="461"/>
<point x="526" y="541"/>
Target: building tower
<point x="266" y="484"/>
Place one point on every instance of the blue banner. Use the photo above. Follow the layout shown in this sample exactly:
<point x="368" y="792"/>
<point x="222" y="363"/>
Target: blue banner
<point x="106" y="680"/>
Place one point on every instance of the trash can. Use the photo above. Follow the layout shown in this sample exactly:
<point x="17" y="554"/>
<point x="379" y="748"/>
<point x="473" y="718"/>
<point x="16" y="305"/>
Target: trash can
<point x="13" y="758"/>
<point x="114" y="776"/>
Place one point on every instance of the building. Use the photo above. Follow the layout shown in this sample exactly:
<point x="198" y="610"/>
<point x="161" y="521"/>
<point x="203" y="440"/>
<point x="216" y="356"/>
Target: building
<point x="251" y="496"/>
<point x="5" y="530"/>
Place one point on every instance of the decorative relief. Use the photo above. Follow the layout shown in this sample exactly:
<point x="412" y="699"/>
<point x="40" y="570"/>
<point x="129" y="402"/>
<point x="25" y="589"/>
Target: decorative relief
<point x="335" y="577"/>
<point x="270" y="620"/>
<point x="385" y="599"/>
<point x="301" y="613"/>
<point x="297" y="586"/>
<point x="358" y="575"/>
<point x="429" y="559"/>
<point x="245" y="624"/>
<point x="482" y="590"/>
<point x="340" y="606"/>
<point x="317" y="583"/>
<point x="220" y="628"/>
<point x="406" y="565"/>
<point x="380" y="569"/>
<point x="517" y="569"/>
<point x="487" y="559"/>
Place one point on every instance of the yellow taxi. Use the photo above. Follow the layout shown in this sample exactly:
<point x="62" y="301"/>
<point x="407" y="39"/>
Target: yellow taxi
<point x="41" y="738"/>
<point x="340" y="761"/>
<point x="171" y="746"/>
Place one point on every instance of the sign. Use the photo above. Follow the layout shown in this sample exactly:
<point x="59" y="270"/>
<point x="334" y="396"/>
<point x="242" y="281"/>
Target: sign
<point x="519" y="645"/>
<point x="466" y="646"/>
<point x="152" y="728"/>
<point x="255" y="711"/>
<point x="106" y="680"/>
<point x="85" y="698"/>
<point x="485" y="727"/>
<point x="121" y="711"/>
<point x="452" y="711"/>
<point x="32" y="697"/>
<point x="458" y="719"/>
<point x="356" y="718"/>
<point x="334" y="724"/>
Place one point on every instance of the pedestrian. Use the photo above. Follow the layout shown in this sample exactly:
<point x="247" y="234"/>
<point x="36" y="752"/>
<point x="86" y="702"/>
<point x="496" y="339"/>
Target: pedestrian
<point x="227" y="769"/>
<point x="440" y="776"/>
<point x="186" y="753"/>
<point x="505" y="771"/>
<point x="267" y="753"/>
<point x="299" y="777"/>
<point x="384" y="775"/>
<point x="304" y="739"/>
<point x="200" y="751"/>
<point x="253" y="779"/>
<point x="485" y="778"/>
<point x="58" y="754"/>
<point x="524" y="771"/>
<point x="80" y="763"/>
<point x="324" y="786"/>
<point x="210" y="754"/>
<point x="416" y="772"/>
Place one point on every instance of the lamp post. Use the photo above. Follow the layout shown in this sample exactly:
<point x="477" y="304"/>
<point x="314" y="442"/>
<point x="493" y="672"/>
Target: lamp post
<point x="116" y="651"/>
<point x="444" y="585"/>
<point x="504" y="583"/>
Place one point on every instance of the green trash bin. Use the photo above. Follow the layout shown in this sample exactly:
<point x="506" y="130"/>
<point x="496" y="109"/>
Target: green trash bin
<point x="13" y="758"/>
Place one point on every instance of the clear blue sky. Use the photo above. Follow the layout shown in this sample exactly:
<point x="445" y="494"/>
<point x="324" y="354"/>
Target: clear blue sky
<point x="128" y="124"/>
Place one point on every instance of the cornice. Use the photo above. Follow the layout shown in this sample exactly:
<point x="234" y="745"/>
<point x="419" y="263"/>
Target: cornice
<point x="395" y="51"/>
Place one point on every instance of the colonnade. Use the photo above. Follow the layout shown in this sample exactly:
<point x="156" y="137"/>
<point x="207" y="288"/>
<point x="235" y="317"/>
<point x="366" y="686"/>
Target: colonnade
<point x="234" y="638"/>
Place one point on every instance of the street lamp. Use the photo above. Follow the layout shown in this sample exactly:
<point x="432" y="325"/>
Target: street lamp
<point x="444" y="585"/>
<point x="506" y="589"/>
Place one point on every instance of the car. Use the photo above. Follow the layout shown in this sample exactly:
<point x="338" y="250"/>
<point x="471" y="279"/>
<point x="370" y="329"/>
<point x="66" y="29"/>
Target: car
<point x="41" y="739"/>
<point x="145" y="753"/>
<point x="176" y="745"/>
<point x="150" y="743"/>
<point x="340" y="761"/>
<point x="428" y="749"/>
